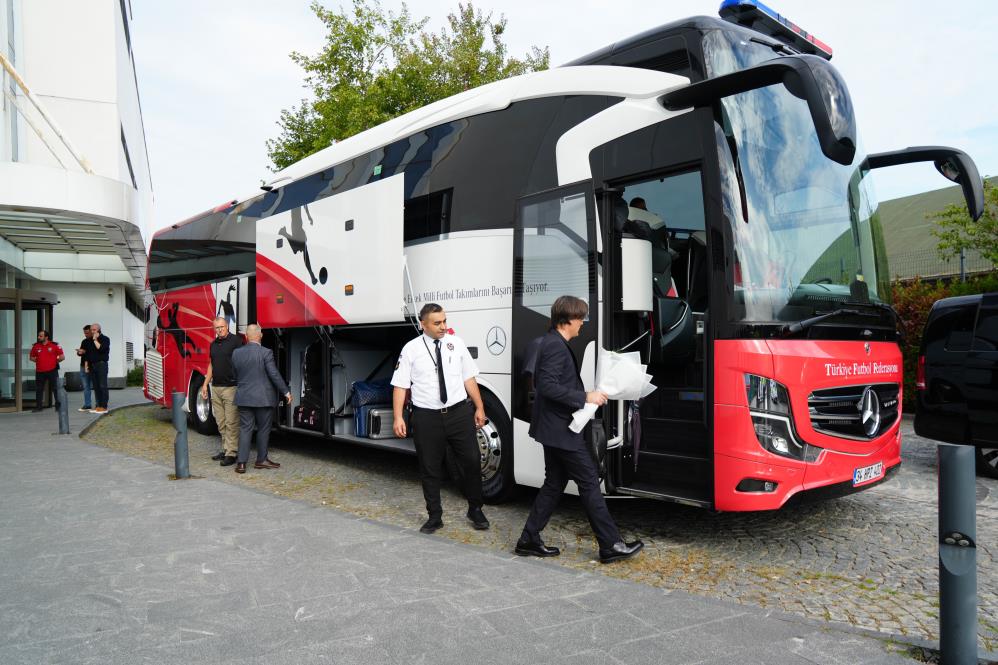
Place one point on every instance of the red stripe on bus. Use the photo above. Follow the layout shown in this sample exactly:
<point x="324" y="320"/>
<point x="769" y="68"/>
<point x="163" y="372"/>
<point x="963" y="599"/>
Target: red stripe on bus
<point x="284" y="300"/>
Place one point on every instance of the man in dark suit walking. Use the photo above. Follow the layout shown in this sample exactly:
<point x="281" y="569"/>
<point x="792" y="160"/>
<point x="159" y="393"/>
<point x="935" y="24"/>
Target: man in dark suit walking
<point x="558" y="393"/>
<point x="257" y="387"/>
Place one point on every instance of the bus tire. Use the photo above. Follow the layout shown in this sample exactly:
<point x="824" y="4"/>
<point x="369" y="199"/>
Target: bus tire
<point x="199" y="414"/>
<point x="495" y="441"/>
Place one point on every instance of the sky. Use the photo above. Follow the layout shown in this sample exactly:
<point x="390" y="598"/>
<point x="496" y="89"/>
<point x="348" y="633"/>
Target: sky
<point x="214" y="76"/>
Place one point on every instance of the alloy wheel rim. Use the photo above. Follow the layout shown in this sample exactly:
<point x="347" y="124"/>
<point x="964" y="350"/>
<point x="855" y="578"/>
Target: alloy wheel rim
<point x="203" y="408"/>
<point x="490" y="449"/>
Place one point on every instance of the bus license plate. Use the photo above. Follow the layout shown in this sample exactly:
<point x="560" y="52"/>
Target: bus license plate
<point x="867" y="473"/>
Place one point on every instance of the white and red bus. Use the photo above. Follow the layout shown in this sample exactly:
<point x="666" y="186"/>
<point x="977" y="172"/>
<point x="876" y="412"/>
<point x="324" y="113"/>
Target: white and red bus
<point x="700" y="185"/>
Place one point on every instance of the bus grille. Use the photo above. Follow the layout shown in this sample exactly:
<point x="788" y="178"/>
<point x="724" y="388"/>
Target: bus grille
<point x="154" y="374"/>
<point x="840" y="411"/>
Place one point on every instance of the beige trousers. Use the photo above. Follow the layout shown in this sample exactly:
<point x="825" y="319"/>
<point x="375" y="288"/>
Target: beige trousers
<point x="223" y="404"/>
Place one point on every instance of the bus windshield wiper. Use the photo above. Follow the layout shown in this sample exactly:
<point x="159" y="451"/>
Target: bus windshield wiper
<point x="882" y="306"/>
<point x="800" y="326"/>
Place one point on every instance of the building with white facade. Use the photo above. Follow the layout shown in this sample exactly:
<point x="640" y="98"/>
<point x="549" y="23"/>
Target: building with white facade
<point x="75" y="185"/>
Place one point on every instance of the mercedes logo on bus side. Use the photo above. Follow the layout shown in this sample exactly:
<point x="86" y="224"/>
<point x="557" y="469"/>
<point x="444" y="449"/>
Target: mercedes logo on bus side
<point x="495" y="340"/>
<point x="869" y="410"/>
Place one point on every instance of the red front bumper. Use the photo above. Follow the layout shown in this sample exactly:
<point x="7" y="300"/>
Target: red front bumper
<point x="802" y="367"/>
<point x="793" y="478"/>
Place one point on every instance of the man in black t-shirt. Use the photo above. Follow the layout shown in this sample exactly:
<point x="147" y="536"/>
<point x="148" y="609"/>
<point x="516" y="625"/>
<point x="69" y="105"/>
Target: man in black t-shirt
<point x="88" y="404"/>
<point x="222" y="379"/>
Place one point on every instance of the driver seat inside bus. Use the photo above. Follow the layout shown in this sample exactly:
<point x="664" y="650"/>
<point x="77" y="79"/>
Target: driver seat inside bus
<point x="672" y="324"/>
<point x="630" y="220"/>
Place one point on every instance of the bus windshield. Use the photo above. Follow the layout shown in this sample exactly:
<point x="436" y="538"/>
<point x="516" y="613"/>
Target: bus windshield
<point x="805" y="230"/>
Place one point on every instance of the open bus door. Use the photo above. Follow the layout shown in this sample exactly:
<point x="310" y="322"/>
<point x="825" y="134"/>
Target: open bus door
<point x="656" y="245"/>
<point x="554" y="254"/>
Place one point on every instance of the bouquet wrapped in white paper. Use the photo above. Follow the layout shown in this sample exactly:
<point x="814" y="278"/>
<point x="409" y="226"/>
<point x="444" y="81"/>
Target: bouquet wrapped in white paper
<point x="621" y="376"/>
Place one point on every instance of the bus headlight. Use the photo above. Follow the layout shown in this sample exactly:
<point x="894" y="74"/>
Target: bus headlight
<point x="767" y="395"/>
<point x="773" y="434"/>
<point x="769" y="406"/>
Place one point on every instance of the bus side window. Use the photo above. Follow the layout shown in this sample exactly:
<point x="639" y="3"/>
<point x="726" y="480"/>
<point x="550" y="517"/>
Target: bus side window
<point x="427" y="216"/>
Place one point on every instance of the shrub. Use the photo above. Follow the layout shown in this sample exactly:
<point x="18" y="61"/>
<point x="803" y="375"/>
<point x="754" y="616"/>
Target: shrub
<point x="134" y="377"/>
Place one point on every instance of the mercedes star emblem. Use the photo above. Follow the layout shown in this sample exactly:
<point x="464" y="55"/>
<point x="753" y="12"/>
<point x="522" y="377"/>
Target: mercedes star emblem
<point x="495" y="340"/>
<point x="869" y="410"/>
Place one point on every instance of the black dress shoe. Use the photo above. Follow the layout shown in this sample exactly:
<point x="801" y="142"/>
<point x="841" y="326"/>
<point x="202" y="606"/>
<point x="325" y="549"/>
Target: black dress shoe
<point x="535" y="549"/>
<point x="38" y="410"/>
<point x="227" y="460"/>
<point x="218" y="456"/>
<point x="478" y="519"/>
<point x="431" y="525"/>
<point x="241" y="467"/>
<point x="620" y="551"/>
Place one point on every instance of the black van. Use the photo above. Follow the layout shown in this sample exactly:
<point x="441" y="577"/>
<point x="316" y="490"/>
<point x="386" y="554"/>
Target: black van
<point x="957" y="384"/>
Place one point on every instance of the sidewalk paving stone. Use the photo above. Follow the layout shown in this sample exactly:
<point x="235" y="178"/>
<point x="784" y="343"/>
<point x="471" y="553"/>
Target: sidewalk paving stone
<point x="106" y="561"/>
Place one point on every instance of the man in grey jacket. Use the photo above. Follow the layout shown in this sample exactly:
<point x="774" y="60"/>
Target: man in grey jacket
<point x="257" y="387"/>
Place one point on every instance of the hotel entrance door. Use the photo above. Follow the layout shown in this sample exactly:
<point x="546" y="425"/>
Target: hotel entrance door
<point x="22" y="315"/>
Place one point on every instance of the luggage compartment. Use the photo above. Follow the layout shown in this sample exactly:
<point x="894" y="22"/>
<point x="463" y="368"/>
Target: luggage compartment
<point x="339" y="380"/>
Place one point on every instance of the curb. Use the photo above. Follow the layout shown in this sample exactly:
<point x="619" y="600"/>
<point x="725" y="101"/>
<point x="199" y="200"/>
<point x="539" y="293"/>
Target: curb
<point x="89" y="426"/>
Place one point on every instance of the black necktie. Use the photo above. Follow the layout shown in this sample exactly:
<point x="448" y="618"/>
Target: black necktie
<point x="440" y="373"/>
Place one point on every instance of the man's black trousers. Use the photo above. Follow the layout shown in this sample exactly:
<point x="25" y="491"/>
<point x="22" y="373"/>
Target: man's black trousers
<point x="98" y="375"/>
<point x="51" y="379"/>
<point x="560" y="466"/>
<point x="435" y="433"/>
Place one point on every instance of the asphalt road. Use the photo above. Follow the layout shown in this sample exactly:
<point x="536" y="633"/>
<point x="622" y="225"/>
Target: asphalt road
<point x="868" y="560"/>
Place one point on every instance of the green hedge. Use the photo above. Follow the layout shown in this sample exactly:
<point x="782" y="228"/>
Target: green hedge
<point x="913" y="301"/>
<point x="134" y="377"/>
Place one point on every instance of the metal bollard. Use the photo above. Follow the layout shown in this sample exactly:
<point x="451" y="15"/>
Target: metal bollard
<point x="60" y="393"/>
<point x="957" y="555"/>
<point x="180" y="460"/>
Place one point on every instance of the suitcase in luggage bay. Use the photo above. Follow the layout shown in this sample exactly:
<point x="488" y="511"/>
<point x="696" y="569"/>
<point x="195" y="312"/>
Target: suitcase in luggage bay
<point x="364" y="393"/>
<point x="307" y="417"/>
<point x="361" y="419"/>
<point x="380" y="422"/>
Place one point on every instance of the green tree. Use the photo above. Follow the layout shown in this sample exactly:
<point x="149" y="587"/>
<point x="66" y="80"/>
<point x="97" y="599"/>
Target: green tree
<point x="377" y="65"/>
<point x="955" y="230"/>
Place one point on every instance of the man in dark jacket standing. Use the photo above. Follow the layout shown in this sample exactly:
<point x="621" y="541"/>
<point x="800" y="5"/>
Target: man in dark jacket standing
<point x="88" y="403"/>
<point x="257" y="386"/>
<point x="558" y="393"/>
<point x="96" y="353"/>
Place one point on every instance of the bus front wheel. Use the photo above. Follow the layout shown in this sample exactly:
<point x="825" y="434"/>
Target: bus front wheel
<point x="199" y="415"/>
<point x="495" y="443"/>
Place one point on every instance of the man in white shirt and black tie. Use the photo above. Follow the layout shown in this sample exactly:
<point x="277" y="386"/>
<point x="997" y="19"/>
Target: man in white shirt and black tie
<point x="441" y="374"/>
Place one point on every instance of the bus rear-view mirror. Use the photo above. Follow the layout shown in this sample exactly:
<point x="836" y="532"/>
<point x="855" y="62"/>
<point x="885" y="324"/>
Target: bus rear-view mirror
<point x="953" y="164"/>
<point x="807" y="77"/>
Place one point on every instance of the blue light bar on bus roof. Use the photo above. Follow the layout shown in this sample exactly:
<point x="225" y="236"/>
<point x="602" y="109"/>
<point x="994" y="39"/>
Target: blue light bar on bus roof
<point x="757" y="16"/>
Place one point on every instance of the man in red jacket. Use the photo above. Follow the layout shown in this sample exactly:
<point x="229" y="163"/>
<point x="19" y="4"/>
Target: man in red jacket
<point x="46" y="355"/>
